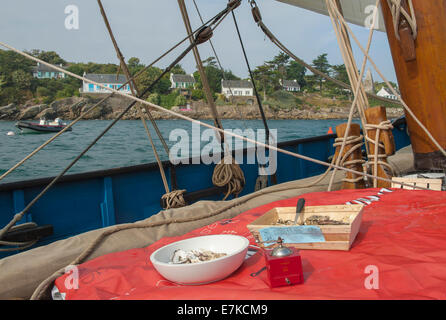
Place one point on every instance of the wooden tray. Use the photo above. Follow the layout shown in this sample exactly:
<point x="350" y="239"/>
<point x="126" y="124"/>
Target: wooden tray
<point x="337" y="237"/>
<point x="432" y="184"/>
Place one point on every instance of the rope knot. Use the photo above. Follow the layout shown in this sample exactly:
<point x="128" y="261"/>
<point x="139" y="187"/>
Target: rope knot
<point x="173" y="199"/>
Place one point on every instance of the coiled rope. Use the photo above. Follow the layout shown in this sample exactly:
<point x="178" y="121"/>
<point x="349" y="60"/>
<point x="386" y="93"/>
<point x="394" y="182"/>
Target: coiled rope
<point x="227" y="173"/>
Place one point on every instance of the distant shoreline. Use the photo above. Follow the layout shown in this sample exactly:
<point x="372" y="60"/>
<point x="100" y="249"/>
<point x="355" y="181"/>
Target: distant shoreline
<point x="70" y="109"/>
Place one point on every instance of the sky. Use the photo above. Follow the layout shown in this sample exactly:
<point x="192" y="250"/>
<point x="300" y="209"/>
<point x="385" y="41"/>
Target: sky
<point x="147" y="28"/>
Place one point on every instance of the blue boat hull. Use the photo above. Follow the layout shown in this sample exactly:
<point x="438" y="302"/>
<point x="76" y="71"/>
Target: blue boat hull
<point x="88" y="201"/>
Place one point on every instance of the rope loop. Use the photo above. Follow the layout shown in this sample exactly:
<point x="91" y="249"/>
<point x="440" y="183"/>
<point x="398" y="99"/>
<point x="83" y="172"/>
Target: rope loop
<point x="377" y="158"/>
<point x="357" y="142"/>
<point x="16" y="245"/>
<point x="228" y="173"/>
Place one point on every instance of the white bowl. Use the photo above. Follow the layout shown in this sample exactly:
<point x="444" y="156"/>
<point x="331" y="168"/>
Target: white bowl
<point x="235" y="247"/>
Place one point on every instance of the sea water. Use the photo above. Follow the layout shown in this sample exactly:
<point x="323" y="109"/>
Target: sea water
<point x="125" y="144"/>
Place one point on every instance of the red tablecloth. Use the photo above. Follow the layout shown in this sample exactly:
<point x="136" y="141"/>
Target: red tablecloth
<point x="402" y="241"/>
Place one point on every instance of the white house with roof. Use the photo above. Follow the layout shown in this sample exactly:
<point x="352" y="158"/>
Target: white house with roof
<point x="182" y="81"/>
<point x="290" y="85"/>
<point x="387" y="93"/>
<point x="237" y="88"/>
<point x="42" y="71"/>
<point x="109" y="80"/>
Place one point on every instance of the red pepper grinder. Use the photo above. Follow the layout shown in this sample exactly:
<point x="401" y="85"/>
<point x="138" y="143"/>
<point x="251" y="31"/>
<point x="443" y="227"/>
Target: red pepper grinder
<point x="284" y="266"/>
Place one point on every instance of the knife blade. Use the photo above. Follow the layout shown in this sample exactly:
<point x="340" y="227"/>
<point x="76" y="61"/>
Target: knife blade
<point x="299" y="207"/>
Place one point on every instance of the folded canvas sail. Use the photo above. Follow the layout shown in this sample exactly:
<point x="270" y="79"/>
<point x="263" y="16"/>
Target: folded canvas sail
<point x="359" y="12"/>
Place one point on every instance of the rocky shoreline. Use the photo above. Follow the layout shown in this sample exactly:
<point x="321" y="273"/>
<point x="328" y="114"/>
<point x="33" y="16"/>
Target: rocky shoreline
<point x="71" y="108"/>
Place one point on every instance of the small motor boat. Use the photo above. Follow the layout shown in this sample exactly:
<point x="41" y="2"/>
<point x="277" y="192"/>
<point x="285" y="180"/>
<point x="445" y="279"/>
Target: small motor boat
<point x="43" y="126"/>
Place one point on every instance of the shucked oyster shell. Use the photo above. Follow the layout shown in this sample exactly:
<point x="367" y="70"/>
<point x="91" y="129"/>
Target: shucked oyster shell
<point x="193" y="256"/>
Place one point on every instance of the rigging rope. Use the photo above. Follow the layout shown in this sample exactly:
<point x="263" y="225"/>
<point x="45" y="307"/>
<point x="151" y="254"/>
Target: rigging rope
<point x="169" y="196"/>
<point x="258" y="19"/>
<point x="261" y="181"/>
<point x="391" y="88"/>
<point x="357" y="143"/>
<point x="18" y="245"/>
<point x="259" y="101"/>
<point x="202" y="35"/>
<point x="360" y="101"/>
<point x="397" y="9"/>
<point x="18" y="164"/>
<point x="178" y="115"/>
<point x="204" y="80"/>
<point x="375" y="159"/>
<point x="19" y="216"/>
<point x="227" y="172"/>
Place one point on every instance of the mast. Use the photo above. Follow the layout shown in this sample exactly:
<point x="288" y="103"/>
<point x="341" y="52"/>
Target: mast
<point x="420" y="66"/>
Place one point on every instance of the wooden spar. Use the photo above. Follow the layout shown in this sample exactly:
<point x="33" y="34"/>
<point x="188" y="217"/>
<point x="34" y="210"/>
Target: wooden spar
<point x="422" y="80"/>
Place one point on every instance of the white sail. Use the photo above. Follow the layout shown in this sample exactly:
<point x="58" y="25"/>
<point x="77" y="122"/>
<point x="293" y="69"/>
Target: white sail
<point x="359" y="12"/>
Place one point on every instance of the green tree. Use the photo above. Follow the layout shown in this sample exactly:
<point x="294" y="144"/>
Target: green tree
<point x="149" y="76"/>
<point x="43" y="92"/>
<point x="178" y="69"/>
<point x="263" y="74"/>
<point x="210" y="62"/>
<point x="296" y="71"/>
<point x="340" y="73"/>
<point x="51" y="57"/>
<point x="214" y="75"/>
<point x="380" y="85"/>
<point x="2" y="81"/>
<point x="279" y="67"/>
<point x="321" y="64"/>
<point x="134" y="65"/>
<point x="180" y="101"/>
<point x="154" y="98"/>
<point x="197" y="94"/>
<point x="168" y="100"/>
<point x="21" y="79"/>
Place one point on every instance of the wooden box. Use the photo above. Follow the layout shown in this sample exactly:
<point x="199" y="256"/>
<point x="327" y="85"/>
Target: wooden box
<point x="432" y="184"/>
<point x="337" y="237"/>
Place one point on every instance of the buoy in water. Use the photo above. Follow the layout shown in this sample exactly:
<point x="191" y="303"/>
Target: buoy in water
<point x="10" y="133"/>
<point x="330" y="131"/>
